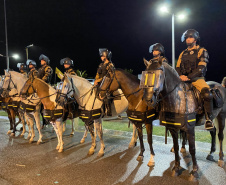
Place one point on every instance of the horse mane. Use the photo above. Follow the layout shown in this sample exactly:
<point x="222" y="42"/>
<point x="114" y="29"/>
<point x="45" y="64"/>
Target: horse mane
<point x="129" y="75"/>
<point x="80" y="78"/>
<point x="18" y="74"/>
<point x="167" y="66"/>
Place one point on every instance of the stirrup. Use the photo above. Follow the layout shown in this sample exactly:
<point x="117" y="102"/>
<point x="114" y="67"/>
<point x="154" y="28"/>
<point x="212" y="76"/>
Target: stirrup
<point x="209" y="127"/>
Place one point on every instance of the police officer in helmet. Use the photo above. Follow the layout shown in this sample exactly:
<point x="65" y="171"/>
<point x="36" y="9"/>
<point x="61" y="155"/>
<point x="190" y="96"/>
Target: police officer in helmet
<point x="158" y="52"/>
<point x="45" y="71"/>
<point x="68" y="63"/>
<point x="192" y="66"/>
<point x="33" y="73"/>
<point x="102" y="70"/>
<point x="22" y="68"/>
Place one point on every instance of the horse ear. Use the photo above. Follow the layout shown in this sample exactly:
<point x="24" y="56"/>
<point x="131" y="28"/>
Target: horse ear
<point x="146" y="62"/>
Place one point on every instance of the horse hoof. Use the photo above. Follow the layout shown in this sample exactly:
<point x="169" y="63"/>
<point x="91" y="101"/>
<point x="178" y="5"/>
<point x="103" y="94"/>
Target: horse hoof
<point x="131" y="146"/>
<point x="12" y="134"/>
<point x="140" y="158"/>
<point x="210" y="157"/>
<point x="60" y="150"/>
<point x="172" y="150"/>
<point x="183" y="150"/>
<point x="39" y="142"/>
<point x="221" y="163"/>
<point x="150" y="164"/>
<point x="176" y="171"/>
<point x="30" y="142"/>
<point x="72" y="134"/>
<point x="9" y="132"/>
<point x="100" y="154"/>
<point x="194" y="176"/>
<point x="91" y="152"/>
<point x="82" y="141"/>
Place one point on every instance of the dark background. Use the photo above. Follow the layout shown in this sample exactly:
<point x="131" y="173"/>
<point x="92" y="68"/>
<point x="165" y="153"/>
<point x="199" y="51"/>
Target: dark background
<point x="77" y="29"/>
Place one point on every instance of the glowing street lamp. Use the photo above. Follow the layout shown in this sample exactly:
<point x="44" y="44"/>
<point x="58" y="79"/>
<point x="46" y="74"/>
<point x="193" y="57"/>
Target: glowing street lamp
<point x="15" y="56"/>
<point x="181" y="16"/>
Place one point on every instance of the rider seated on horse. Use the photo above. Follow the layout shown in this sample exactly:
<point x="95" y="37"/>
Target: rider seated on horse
<point x="45" y="71"/>
<point x="68" y="63"/>
<point x="102" y="70"/>
<point x="158" y="52"/>
<point x="33" y="73"/>
<point x="192" y="66"/>
<point x="22" y="68"/>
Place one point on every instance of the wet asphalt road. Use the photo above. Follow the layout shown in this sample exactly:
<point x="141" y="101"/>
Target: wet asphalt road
<point x="22" y="163"/>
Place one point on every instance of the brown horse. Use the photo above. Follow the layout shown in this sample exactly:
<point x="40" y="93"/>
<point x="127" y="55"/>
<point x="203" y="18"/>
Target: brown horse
<point x="138" y="112"/>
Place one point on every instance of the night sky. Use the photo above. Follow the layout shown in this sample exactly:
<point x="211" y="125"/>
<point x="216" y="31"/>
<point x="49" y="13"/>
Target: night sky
<point x="78" y="28"/>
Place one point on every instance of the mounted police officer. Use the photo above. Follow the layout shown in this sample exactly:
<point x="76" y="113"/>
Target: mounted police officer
<point x="192" y="66"/>
<point x="22" y="68"/>
<point x="33" y="73"/>
<point x="102" y="70"/>
<point x="158" y="52"/>
<point x="45" y="71"/>
<point x="68" y="63"/>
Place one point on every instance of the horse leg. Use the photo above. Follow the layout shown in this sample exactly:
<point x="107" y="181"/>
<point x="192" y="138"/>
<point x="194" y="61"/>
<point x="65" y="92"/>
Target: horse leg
<point x="213" y="144"/>
<point x="149" y="129"/>
<point x="60" y="135"/>
<point x="98" y="126"/>
<point x="140" y="134"/>
<point x="72" y="127"/>
<point x="176" y="168"/>
<point x="133" y="141"/>
<point x="85" y="134"/>
<point x="10" y="121"/>
<point x="32" y="128"/>
<point x="23" y="122"/>
<point x="221" y="123"/>
<point x="28" y="120"/>
<point x="93" y="137"/>
<point x="184" y="139"/>
<point x="38" y="125"/>
<point x="13" y="115"/>
<point x="191" y="140"/>
<point x="57" y="133"/>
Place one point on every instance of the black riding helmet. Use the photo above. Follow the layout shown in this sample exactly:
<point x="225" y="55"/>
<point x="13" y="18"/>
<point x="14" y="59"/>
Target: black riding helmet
<point x="45" y="58"/>
<point x="190" y="33"/>
<point x="157" y="46"/>
<point x="21" y="66"/>
<point x="32" y="62"/>
<point x="66" y="61"/>
<point x="105" y="52"/>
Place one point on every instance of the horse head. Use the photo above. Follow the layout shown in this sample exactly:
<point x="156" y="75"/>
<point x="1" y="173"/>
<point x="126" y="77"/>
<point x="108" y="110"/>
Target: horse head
<point x="64" y="90"/>
<point x="109" y="84"/>
<point x="7" y="85"/>
<point x="152" y="81"/>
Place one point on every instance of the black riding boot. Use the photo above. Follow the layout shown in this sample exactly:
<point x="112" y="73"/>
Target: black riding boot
<point x="107" y="103"/>
<point x="208" y="107"/>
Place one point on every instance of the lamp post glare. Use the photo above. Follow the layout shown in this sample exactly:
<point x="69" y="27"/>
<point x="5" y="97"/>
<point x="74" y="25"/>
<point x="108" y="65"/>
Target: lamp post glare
<point x="164" y="9"/>
<point x="181" y="16"/>
<point x="16" y="56"/>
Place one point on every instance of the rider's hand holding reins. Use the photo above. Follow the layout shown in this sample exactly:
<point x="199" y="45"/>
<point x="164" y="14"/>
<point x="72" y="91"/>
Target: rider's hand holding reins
<point x="184" y="78"/>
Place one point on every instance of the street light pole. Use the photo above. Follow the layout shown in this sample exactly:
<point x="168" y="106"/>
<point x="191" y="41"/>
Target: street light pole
<point x="6" y="38"/>
<point x="26" y="48"/>
<point x="173" y="43"/>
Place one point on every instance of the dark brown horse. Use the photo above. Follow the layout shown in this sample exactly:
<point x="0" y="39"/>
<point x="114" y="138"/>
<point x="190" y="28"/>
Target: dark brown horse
<point x="179" y="109"/>
<point x="138" y="112"/>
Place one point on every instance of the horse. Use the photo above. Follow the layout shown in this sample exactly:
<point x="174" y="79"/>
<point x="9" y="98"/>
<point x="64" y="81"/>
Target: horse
<point x="52" y="111"/>
<point x="85" y="95"/>
<point x="7" y="105"/>
<point x="179" y="107"/>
